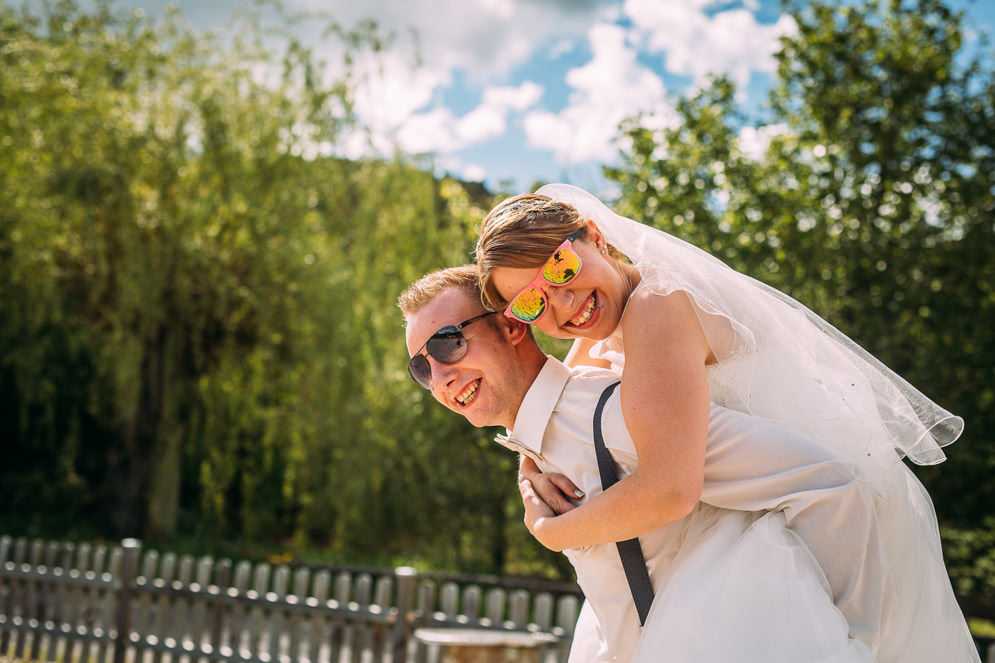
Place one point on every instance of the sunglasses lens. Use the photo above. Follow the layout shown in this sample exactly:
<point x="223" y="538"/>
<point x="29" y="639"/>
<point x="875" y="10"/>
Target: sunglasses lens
<point x="420" y="371"/>
<point x="447" y="347"/>
<point x="529" y="305"/>
<point x="561" y="267"/>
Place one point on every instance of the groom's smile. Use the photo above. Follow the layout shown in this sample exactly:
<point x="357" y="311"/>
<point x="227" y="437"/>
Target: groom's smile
<point x="469" y="394"/>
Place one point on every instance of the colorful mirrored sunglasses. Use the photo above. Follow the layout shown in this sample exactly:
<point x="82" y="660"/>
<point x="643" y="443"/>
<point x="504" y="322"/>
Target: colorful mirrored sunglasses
<point x="530" y="304"/>
<point x="448" y="345"/>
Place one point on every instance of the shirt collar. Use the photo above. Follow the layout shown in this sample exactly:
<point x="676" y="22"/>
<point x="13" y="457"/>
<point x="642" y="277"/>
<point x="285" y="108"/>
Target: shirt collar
<point x="539" y="403"/>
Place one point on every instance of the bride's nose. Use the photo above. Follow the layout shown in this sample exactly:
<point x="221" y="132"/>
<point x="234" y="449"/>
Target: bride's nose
<point x="561" y="298"/>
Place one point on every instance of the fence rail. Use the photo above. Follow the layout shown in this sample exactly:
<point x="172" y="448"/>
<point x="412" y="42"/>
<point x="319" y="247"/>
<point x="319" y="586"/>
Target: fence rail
<point x="69" y="602"/>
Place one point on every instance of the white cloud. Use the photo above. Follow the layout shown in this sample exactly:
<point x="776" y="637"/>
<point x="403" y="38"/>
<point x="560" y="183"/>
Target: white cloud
<point x="397" y="92"/>
<point x="396" y="100"/>
<point x="488" y="120"/>
<point x="754" y="141"/>
<point x="697" y="44"/>
<point x="470" y="172"/>
<point x="612" y="86"/>
<point x="438" y="130"/>
<point x="401" y="107"/>
<point x="560" y="48"/>
<point x="517" y="98"/>
<point x="481" y="123"/>
<point x="484" y="38"/>
<point x="473" y="173"/>
<point x="388" y="91"/>
<point x="427" y="132"/>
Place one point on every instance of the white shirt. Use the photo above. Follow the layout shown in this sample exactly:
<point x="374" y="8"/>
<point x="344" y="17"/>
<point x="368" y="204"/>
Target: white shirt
<point x="750" y="465"/>
<point x="554" y="428"/>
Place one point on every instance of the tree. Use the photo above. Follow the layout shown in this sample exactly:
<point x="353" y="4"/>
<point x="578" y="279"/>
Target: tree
<point x="148" y="234"/>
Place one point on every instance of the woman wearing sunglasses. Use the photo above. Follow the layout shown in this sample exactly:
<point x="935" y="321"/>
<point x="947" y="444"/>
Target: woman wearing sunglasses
<point x="686" y="330"/>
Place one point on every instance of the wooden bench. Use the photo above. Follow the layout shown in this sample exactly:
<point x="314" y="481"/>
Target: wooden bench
<point x="472" y="645"/>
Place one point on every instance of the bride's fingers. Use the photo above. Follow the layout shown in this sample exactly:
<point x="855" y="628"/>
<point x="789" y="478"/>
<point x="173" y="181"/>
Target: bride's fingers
<point x="528" y="492"/>
<point x="566" y="485"/>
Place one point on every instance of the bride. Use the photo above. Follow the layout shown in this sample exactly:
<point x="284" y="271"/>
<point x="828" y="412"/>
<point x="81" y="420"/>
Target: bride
<point x="686" y="331"/>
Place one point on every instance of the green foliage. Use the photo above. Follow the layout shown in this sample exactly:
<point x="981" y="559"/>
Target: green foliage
<point x="971" y="556"/>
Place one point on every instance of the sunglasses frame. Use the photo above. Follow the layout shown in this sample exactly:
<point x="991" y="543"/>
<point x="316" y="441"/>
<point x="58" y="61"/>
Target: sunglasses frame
<point x="418" y="359"/>
<point x="540" y="278"/>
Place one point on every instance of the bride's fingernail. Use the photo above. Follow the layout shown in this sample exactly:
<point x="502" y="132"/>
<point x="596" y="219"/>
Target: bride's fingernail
<point x="578" y="493"/>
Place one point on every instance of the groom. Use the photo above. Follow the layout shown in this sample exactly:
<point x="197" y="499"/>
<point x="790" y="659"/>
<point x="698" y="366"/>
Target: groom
<point x="490" y="369"/>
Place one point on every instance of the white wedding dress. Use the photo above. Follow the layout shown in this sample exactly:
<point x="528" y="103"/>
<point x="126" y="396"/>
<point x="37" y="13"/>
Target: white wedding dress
<point x="743" y="587"/>
<point x="729" y="586"/>
<point x="787" y="365"/>
<point x="920" y="620"/>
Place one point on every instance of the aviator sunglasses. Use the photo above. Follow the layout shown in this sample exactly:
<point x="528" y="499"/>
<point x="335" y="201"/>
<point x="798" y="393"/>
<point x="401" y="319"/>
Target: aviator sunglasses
<point x="448" y="345"/>
<point x="531" y="303"/>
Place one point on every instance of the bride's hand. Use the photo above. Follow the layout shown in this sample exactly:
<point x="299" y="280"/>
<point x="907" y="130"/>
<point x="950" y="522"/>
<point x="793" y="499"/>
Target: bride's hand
<point x="553" y="488"/>
<point x="536" y="511"/>
<point x="556" y="490"/>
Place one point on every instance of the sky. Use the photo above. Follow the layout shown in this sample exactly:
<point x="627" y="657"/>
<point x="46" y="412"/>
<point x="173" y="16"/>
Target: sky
<point x="510" y="92"/>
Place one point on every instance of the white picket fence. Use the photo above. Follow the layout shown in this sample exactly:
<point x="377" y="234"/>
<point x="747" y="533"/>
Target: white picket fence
<point x="82" y="602"/>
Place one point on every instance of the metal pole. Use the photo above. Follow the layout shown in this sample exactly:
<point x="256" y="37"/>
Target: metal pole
<point x="129" y="569"/>
<point x="406" y="577"/>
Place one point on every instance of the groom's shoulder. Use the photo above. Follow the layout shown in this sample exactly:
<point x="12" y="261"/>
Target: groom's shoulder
<point x="591" y="379"/>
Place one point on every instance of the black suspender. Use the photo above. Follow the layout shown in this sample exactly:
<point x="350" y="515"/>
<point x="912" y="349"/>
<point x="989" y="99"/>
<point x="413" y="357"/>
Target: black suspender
<point x="629" y="551"/>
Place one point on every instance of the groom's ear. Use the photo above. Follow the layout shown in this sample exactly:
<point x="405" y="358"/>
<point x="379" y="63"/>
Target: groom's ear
<point x="514" y="330"/>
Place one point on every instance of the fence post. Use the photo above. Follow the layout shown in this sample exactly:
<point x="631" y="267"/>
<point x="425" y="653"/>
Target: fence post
<point x="129" y="569"/>
<point x="406" y="579"/>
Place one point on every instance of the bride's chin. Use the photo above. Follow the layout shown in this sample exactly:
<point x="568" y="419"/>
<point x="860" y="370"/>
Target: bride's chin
<point x="562" y="334"/>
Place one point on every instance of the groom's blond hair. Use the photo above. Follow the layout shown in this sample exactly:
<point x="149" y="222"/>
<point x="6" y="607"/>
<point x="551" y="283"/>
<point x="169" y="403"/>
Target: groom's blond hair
<point x="427" y="288"/>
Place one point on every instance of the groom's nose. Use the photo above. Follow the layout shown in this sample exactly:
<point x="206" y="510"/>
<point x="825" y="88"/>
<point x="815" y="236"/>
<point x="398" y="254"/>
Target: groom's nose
<point x="442" y="374"/>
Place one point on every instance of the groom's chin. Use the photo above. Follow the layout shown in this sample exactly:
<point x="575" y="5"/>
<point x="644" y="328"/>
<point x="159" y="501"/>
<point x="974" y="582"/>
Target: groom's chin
<point x="478" y="416"/>
<point x="475" y="418"/>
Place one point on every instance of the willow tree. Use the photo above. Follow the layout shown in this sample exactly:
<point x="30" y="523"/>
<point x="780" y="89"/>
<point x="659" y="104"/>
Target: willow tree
<point x="198" y="334"/>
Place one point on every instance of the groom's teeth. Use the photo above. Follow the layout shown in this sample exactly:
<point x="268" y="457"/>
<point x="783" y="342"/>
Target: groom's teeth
<point x="586" y="314"/>
<point x="468" y="393"/>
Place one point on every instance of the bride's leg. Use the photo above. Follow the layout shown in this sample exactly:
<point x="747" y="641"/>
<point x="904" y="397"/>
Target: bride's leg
<point x="745" y="588"/>
<point x="751" y="464"/>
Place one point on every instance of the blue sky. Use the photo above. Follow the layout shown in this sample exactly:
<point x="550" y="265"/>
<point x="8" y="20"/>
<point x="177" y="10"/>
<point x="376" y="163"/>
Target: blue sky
<point x="515" y="91"/>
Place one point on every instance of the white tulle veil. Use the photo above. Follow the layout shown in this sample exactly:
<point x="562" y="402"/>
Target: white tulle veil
<point x="787" y="365"/>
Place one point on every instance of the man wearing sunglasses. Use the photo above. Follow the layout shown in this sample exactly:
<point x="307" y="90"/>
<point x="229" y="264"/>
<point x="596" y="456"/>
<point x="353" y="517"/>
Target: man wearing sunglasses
<point x="490" y="369"/>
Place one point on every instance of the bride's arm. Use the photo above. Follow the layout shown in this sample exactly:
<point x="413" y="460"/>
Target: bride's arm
<point x="665" y="402"/>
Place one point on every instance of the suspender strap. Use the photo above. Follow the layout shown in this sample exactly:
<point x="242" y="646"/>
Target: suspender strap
<point x="631" y="554"/>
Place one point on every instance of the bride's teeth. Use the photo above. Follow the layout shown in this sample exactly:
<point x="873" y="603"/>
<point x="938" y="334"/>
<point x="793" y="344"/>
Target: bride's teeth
<point x="585" y="315"/>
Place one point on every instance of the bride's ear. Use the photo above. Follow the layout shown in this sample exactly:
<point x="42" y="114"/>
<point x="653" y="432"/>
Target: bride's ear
<point x="595" y="236"/>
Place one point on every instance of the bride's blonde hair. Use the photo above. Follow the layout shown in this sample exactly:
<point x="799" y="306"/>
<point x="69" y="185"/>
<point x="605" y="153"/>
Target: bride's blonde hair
<point x="523" y="231"/>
